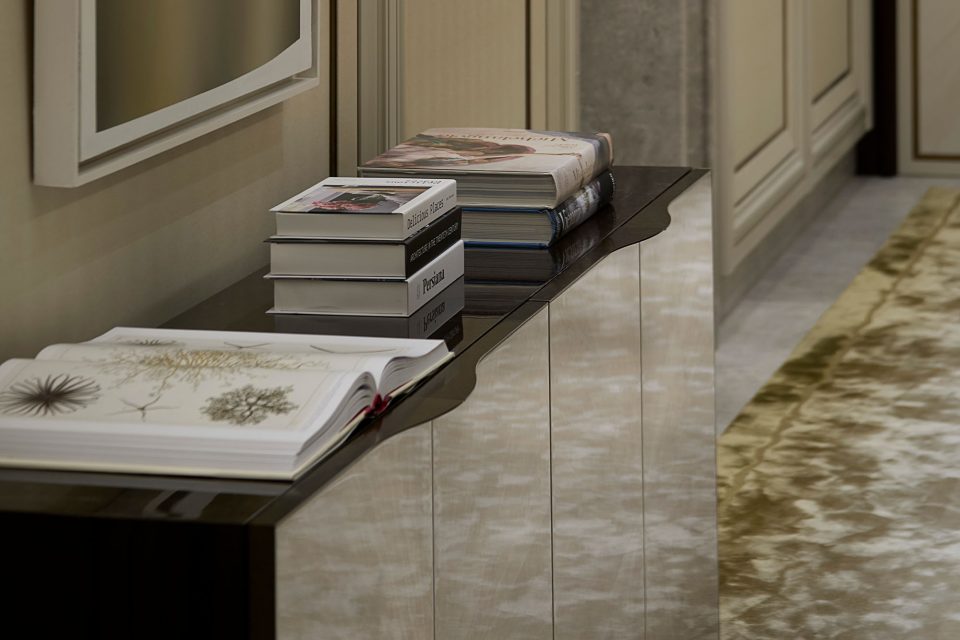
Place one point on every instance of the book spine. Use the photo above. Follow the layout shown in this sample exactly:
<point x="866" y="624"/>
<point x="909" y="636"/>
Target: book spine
<point x="423" y="214"/>
<point x="423" y="248"/>
<point x="434" y="278"/>
<point x="583" y="204"/>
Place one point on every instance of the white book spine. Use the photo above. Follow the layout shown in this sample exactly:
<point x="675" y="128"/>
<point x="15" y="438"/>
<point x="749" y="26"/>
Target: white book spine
<point x="434" y="278"/>
<point x="443" y="199"/>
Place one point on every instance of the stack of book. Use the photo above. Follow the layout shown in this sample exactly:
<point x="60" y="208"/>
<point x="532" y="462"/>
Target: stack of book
<point x="366" y="246"/>
<point x="518" y="188"/>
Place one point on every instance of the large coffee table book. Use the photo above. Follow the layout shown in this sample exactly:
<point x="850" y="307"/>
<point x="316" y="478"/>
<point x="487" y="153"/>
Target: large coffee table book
<point x="210" y="403"/>
<point x="365" y="208"/>
<point x="500" y="167"/>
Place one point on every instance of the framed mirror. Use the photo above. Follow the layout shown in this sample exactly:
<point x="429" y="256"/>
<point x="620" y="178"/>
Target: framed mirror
<point x="118" y="81"/>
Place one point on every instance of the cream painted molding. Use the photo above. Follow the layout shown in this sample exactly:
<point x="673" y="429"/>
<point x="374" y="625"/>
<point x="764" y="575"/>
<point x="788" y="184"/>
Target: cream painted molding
<point x="554" y="58"/>
<point x="370" y="88"/>
<point x="820" y="123"/>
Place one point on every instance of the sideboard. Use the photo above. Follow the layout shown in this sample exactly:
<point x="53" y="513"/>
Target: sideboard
<point x="555" y="480"/>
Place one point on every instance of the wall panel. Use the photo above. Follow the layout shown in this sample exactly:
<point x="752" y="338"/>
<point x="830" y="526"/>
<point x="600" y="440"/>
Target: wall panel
<point x="148" y="242"/>
<point x="829" y="41"/>
<point x="928" y="47"/>
<point x="464" y="63"/>
<point x="757" y="75"/>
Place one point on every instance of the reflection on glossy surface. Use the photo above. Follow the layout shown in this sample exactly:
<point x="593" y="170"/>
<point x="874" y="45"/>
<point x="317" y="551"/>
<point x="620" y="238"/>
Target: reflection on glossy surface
<point x="678" y="423"/>
<point x="356" y="561"/>
<point x="492" y="497"/>
<point x="573" y="491"/>
<point x="595" y="398"/>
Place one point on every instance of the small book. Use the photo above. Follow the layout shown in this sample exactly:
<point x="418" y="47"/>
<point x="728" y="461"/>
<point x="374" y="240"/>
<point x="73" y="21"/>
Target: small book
<point x="367" y="296"/>
<point x="500" y="167"/>
<point x="380" y="209"/>
<point x="364" y="258"/>
<point x="533" y="227"/>
<point x="209" y="403"/>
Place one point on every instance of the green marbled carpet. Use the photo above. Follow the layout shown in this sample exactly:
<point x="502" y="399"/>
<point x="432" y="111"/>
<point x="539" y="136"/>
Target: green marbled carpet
<point x="839" y="497"/>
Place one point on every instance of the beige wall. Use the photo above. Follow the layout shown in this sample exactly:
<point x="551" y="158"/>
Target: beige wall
<point x="464" y="64"/>
<point x="143" y="244"/>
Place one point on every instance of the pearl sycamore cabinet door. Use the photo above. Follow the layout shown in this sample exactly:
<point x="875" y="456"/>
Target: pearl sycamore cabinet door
<point x="572" y="494"/>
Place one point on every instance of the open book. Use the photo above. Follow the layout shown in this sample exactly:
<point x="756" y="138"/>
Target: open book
<point x="200" y="402"/>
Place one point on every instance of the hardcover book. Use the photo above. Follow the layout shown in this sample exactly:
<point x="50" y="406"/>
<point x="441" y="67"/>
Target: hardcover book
<point x="496" y="167"/>
<point x="200" y="402"/>
<point x="382" y="208"/>
<point x="364" y="258"/>
<point x="367" y="296"/>
<point x="438" y="319"/>
<point x="536" y="227"/>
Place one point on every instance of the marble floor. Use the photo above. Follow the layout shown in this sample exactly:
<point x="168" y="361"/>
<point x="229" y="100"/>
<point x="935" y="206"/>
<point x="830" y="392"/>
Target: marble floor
<point x="760" y="332"/>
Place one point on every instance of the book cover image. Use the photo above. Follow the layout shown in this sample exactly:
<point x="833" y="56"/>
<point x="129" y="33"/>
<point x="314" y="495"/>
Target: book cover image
<point x="349" y="198"/>
<point x="492" y="149"/>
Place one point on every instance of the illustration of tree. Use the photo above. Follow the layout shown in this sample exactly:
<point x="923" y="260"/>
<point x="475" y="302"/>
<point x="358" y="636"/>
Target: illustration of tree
<point x="249" y="404"/>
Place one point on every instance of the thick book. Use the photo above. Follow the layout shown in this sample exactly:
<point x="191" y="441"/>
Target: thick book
<point x="439" y="319"/>
<point x="501" y="167"/>
<point x="381" y="209"/>
<point x="536" y="227"/>
<point x="370" y="258"/>
<point x="367" y="296"/>
<point x="205" y="403"/>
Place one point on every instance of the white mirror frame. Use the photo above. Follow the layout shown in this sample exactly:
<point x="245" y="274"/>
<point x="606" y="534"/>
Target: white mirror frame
<point x="69" y="152"/>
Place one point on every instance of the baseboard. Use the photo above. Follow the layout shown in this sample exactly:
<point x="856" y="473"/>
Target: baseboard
<point x="731" y="288"/>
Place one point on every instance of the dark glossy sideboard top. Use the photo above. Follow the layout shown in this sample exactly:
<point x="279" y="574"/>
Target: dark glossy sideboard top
<point x="490" y="310"/>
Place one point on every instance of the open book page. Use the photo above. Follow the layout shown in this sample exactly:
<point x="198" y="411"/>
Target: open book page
<point x="232" y="408"/>
<point x="393" y="362"/>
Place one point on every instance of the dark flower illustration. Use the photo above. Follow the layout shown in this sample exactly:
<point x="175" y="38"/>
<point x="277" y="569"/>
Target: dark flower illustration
<point x="52" y="395"/>
<point x="249" y="404"/>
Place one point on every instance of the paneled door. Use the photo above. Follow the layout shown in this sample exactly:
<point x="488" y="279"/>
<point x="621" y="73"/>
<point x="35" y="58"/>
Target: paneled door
<point x="928" y="84"/>
<point x="408" y="65"/>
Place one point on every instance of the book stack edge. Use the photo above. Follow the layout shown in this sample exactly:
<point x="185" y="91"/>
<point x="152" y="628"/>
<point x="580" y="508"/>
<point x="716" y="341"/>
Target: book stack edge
<point x="366" y="247"/>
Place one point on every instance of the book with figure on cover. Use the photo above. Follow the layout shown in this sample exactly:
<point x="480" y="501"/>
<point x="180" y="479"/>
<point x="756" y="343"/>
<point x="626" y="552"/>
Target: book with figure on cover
<point x="500" y="167"/>
<point x="380" y="209"/>
<point x="212" y="403"/>
<point x="535" y="227"/>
